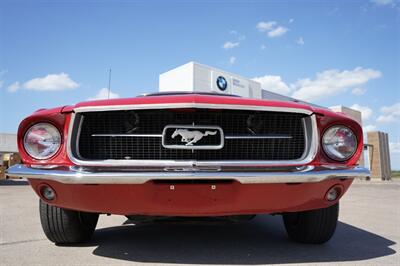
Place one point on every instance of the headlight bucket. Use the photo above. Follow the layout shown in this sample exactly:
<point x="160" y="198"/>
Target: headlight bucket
<point x="339" y="143"/>
<point x="42" y="141"/>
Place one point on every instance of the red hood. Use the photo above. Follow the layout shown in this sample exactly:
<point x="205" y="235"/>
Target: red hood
<point x="197" y="98"/>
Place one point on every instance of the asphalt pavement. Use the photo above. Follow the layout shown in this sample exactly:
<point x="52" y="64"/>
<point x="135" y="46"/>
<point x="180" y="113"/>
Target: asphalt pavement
<point x="368" y="233"/>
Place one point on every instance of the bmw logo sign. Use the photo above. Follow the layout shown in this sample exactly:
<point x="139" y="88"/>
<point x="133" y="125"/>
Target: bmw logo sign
<point x="222" y="83"/>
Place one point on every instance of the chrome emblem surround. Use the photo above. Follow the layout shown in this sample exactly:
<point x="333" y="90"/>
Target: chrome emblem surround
<point x="190" y="135"/>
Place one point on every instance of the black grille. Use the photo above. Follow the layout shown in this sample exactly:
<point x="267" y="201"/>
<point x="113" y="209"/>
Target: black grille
<point x="233" y="123"/>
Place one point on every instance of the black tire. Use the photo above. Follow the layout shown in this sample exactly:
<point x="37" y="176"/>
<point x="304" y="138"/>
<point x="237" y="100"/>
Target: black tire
<point x="312" y="227"/>
<point x="240" y="218"/>
<point x="63" y="226"/>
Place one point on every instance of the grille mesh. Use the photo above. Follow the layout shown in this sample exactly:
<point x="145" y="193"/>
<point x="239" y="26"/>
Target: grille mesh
<point x="232" y="122"/>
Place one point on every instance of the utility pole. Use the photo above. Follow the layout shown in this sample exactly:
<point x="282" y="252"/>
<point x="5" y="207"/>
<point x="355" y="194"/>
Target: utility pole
<point x="109" y="84"/>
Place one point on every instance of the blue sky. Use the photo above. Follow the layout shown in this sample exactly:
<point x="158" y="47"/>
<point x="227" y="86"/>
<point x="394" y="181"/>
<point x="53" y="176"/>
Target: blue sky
<point x="327" y="52"/>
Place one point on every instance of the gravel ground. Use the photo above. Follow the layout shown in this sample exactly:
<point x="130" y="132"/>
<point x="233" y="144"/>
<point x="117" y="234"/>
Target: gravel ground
<point x="368" y="233"/>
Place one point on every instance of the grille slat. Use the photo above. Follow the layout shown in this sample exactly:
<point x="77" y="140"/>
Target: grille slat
<point x="232" y="122"/>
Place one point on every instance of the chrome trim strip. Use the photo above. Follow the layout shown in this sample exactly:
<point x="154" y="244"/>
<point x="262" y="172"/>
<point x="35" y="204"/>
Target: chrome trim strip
<point x="194" y="147"/>
<point x="306" y="137"/>
<point x="191" y="105"/>
<point x="303" y="175"/>
<point x="78" y="136"/>
<point x="311" y="135"/>
<point x="128" y="135"/>
<point x="259" y="137"/>
<point x="225" y="137"/>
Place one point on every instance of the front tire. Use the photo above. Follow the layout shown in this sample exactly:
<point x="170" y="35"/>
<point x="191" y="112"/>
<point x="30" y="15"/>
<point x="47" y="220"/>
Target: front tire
<point x="312" y="227"/>
<point x="63" y="226"/>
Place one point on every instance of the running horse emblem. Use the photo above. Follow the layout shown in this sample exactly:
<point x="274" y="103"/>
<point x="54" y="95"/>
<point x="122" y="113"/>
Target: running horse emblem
<point x="191" y="137"/>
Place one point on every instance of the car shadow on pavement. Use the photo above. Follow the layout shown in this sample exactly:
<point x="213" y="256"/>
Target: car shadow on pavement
<point x="260" y="241"/>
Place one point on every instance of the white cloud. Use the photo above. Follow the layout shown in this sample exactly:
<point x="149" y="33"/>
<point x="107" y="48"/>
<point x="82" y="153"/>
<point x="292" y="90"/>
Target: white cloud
<point x="2" y="72"/>
<point x="389" y="114"/>
<point x="103" y="94"/>
<point x="366" y="112"/>
<point x="394" y="109"/>
<point x="14" y="87"/>
<point x="300" y="41"/>
<point x="358" y="91"/>
<point x="277" y="32"/>
<point x="272" y="28"/>
<point x="51" y="82"/>
<point x="383" y="2"/>
<point x="326" y="84"/>
<point x="331" y="82"/>
<point x="274" y="84"/>
<point x="230" y="45"/>
<point x="385" y="119"/>
<point x="232" y="60"/>
<point x="237" y="34"/>
<point x="263" y="47"/>
<point x="265" y="26"/>
<point x="369" y="128"/>
<point x="394" y="147"/>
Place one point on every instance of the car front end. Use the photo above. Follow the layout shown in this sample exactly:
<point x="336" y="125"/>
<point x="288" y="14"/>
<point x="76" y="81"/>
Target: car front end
<point x="191" y="155"/>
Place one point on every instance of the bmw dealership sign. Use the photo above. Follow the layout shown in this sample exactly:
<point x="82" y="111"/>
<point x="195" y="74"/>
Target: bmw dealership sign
<point x="197" y="77"/>
<point x="222" y="83"/>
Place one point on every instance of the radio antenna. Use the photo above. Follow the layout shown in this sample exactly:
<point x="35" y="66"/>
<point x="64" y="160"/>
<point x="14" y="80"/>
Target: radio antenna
<point x="109" y="83"/>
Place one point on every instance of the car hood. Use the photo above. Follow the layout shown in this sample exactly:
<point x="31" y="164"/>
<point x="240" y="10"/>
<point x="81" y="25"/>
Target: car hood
<point x="191" y="98"/>
<point x="213" y="100"/>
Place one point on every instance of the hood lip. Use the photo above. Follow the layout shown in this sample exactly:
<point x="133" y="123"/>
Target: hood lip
<point x="177" y="93"/>
<point x="190" y="100"/>
<point x="185" y="105"/>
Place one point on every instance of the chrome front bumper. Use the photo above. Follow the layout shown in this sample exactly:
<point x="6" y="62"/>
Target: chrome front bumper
<point x="71" y="175"/>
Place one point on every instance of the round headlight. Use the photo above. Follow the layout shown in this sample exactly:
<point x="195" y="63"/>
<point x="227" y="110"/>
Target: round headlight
<point x="339" y="143"/>
<point x="42" y="141"/>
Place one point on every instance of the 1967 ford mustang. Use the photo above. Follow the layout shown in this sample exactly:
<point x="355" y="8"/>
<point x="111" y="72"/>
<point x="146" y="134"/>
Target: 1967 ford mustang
<point x="189" y="155"/>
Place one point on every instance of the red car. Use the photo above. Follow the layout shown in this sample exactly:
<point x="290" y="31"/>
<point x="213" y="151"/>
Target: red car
<point x="188" y="154"/>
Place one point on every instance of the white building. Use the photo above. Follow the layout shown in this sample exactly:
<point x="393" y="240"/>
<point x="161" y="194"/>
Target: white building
<point x="196" y="77"/>
<point x="8" y="143"/>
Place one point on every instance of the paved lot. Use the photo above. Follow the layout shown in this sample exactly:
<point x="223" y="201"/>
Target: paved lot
<point x="368" y="233"/>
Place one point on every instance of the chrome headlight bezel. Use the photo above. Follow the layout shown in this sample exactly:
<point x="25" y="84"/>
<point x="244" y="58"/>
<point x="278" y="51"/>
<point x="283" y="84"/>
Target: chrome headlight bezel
<point x="331" y="147"/>
<point x="51" y="137"/>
